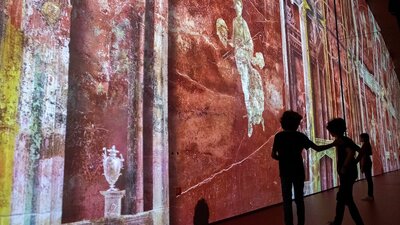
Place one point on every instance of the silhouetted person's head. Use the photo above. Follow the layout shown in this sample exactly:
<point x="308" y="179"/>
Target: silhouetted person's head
<point x="201" y="213"/>
<point x="364" y="137"/>
<point x="290" y="120"/>
<point x="336" y="127"/>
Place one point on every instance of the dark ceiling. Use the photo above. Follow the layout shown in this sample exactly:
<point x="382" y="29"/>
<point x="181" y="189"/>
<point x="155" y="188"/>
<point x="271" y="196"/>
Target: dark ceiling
<point x="388" y="19"/>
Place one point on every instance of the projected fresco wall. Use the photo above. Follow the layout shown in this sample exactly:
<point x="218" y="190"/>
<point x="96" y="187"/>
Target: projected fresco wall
<point x="190" y="92"/>
<point x="235" y="66"/>
<point x="226" y="86"/>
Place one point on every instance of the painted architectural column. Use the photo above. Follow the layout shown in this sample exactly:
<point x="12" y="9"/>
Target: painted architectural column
<point x="134" y="200"/>
<point x="285" y="52"/>
<point x="40" y="33"/>
<point x="156" y="90"/>
<point x="354" y="5"/>
<point x="303" y="7"/>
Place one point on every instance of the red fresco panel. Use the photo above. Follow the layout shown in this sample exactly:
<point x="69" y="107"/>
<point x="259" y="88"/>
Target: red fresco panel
<point x="209" y="123"/>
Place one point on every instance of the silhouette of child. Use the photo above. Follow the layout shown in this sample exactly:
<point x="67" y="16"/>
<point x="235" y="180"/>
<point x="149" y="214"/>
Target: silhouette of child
<point x="287" y="148"/>
<point x="347" y="170"/>
<point x="366" y="164"/>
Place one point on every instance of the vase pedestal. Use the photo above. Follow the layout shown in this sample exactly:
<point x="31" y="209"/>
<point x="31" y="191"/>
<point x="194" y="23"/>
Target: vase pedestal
<point x="112" y="204"/>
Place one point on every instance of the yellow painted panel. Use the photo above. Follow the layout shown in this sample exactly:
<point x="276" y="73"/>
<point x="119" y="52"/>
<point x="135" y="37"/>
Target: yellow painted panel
<point x="10" y="71"/>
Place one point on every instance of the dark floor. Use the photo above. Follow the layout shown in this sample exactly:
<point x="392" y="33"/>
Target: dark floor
<point x="320" y="208"/>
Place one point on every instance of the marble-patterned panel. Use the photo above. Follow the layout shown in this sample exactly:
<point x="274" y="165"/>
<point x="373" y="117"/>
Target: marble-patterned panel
<point x="42" y="33"/>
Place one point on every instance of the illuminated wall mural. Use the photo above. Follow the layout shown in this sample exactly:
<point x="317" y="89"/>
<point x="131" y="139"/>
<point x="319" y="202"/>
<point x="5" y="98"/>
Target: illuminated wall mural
<point x="225" y="95"/>
<point x="219" y="151"/>
<point x="190" y="92"/>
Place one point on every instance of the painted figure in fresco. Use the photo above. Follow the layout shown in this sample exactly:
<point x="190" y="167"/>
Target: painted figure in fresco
<point x="246" y="61"/>
<point x="287" y="148"/>
<point x="347" y="170"/>
<point x="366" y="164"/>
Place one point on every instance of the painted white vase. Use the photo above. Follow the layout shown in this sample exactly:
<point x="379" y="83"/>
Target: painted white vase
<point x="112" y="166"/>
